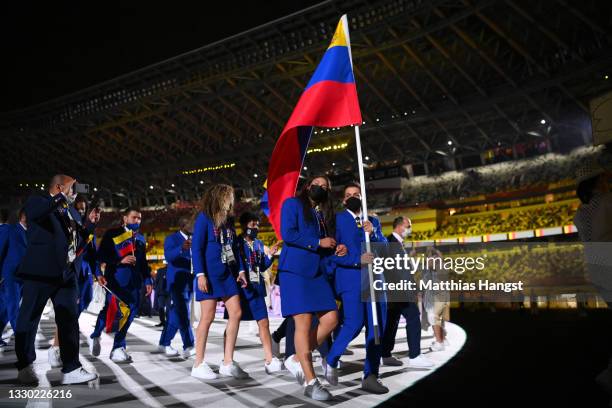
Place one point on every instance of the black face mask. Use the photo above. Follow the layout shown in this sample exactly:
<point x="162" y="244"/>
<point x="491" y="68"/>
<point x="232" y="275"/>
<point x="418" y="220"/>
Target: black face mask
<point x="353" y="204"/>
<point x="317" y="193"/>
<point x="251" y="232"/>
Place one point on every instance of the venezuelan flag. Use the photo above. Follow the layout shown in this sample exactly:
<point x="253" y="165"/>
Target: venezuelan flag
<point x="124" y="243"/>
<point x="329" y="100"/>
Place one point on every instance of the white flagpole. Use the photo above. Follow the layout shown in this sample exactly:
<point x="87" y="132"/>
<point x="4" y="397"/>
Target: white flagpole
<point x="364" y="212"/>
<point x="364" y="202"/>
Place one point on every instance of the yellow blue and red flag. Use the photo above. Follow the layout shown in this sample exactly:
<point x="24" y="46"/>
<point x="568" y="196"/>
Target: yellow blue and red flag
<point x="329" y="100"/>
<point x="124" y="243"/>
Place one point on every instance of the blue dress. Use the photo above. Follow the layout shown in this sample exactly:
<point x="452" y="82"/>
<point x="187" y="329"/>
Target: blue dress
<point x="253" y="297"/>
<point x="303" y="278"/>
<point x="206" y="250"/>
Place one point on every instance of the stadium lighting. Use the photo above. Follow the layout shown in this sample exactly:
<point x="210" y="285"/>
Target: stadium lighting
<point x="334" y="163"/>
<point x="255" y="175"/>
<point x="172" y="185"/>
<point x="605" y="76"/>
<point x="42" y="188"/>
<point x="543" y="121"/>
<point x="201" y="181"/>
<point x="367" y="157"/>
<point x="305" y="168"/>
<point x="450" y="142"/>
<point x="441" y="153"/>
<point x="95" y="188"/>
<point x="413" y="112"/>
<point x="151" y="187"/>
<point x="377" y="119"/>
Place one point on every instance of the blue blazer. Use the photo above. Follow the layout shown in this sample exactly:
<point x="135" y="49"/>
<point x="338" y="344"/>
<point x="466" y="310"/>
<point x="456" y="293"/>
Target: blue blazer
<point x="244" y="253"/>
<point x="301" y="253"/>
<point x="16" y="249"/>
<point x="206" y="250"/>
<point x="178" y="260"/>
<point x="4" y="233"/>
<point x="118" y="273"/>
<point x="348" y="268"/>
<point x="47" y="250"/>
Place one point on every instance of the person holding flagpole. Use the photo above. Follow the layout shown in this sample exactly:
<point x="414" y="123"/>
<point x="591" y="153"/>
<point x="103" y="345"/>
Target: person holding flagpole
<point x="350" y="227"/>
<point x="215" y="265"/>
<point x="123" y="251"/>
<point x="307" y="229"/>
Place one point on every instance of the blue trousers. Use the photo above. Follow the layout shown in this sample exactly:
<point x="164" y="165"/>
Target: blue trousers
<point x="410" y="311"/>
<point x="63" y="295"/>
<point x="85" y="292"/>
<point x="178" y="318"/>
<point x="10" y="292"/>
<point x="356" y="315"/>
<point x="129" y="295"/>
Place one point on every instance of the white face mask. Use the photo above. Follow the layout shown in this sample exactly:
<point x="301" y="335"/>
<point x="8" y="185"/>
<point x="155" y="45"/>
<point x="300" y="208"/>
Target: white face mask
<point x="406" y="232"/>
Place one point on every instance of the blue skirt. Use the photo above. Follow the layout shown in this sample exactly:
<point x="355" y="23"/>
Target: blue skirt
<point x="305" y="295"/>
<point x="218" y="288"/>
<point x="253" y="307"/>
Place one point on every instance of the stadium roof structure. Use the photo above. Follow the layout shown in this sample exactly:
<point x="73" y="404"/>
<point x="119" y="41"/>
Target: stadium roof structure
<point x="438" y="77"/>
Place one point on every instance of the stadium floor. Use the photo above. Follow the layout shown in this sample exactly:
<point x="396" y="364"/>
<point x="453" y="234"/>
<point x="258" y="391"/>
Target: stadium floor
<point x="155" y="380"/>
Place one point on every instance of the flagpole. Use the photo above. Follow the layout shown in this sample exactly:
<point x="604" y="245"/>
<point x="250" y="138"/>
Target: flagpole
<point x="364" y="211"/>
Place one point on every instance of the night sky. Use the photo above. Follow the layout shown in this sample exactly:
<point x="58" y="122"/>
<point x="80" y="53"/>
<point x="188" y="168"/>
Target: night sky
<point x="51" y="49"/>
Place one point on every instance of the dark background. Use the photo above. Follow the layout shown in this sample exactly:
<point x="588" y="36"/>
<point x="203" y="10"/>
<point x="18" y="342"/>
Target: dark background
<point x="52" y="49"/>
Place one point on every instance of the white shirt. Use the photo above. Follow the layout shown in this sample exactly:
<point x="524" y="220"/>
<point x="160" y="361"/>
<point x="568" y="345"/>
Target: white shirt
<point x="184" y="235"/>
<point x="398" y="237"/>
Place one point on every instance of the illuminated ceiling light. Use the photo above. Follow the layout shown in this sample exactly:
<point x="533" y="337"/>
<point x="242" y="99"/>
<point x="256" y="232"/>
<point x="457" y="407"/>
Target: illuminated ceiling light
<point x="95" y="189"/>
<point x="201" y="181"/>
<point x="405" y="113"/>
<point x="363" y="123"/>
<point x="172" y="185"/>
<point x="543" y="121"/>
<point x="305" y="168"/>
<point x="367" y="157"/>
<point x="334" y="163"/>
<point x="377" y="119"/>
<point x="151" y="187"/>
<point x="450" y="142"/>
<point x="255" y="175"/>
<point x="605" y="76"/>
<point x="41" y="187"/>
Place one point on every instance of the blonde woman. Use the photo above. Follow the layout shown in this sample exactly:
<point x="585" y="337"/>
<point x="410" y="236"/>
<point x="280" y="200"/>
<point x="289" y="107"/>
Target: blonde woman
<point x="214" y="265"/>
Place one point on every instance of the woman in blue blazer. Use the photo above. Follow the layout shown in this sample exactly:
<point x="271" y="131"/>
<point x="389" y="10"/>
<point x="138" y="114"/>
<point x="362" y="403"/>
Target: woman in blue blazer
<point x="215" y="265"/>
<point x="254" y="261"/>
<point x="307" y="231"/>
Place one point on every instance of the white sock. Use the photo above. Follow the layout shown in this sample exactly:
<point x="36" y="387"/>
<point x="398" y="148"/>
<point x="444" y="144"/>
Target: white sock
<point x="311" y="382"/>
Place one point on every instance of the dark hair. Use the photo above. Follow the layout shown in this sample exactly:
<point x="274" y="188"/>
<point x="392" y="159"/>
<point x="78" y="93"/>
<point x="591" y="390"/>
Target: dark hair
<point x="398" y="221"/>
<point x="327" y="207"/>
<point x="21" y="213"/>
<point x="128" y="210"/>
<point x="351" y="184"/>
<point x="247" y="217"/>
<point x="586" y="188"/>
<point x="183" y="222"/>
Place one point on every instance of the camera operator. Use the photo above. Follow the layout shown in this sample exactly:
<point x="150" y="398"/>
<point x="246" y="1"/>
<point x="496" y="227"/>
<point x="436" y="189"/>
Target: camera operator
<point x="54" y="234"/>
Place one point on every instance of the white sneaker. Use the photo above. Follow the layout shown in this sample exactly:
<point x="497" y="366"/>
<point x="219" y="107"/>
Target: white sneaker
<point x="27" y="375"/>
<point x="295" y="368"/>
<point x="420" y="361"/>
<point x="171" y="351"/>
<point x="274" y="366"/>
<point x="54" y="357"/>
<point x="94" y="347"/>
<point x="119" y="355"/>
<point x="330" y="373"/>
<point x="232" y="370"/>
<point x="188" y="352"/>
<point x="275" y="348"/>
<point x="436" y="346"/>
<point x="446" y="343"/>
<point x="203" y="372"/>
<point x="78" y="376"/>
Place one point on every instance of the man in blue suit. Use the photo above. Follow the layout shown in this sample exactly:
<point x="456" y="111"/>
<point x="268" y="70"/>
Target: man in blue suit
<point x="10" y="289"/>
<point x="350" y="227"/>
<point x="123" y="251"/>
<point x="54" y="234"/>
<point x="179" y="284"/>
<point x="4" y="230"/>
<point x="408" y="308"/>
